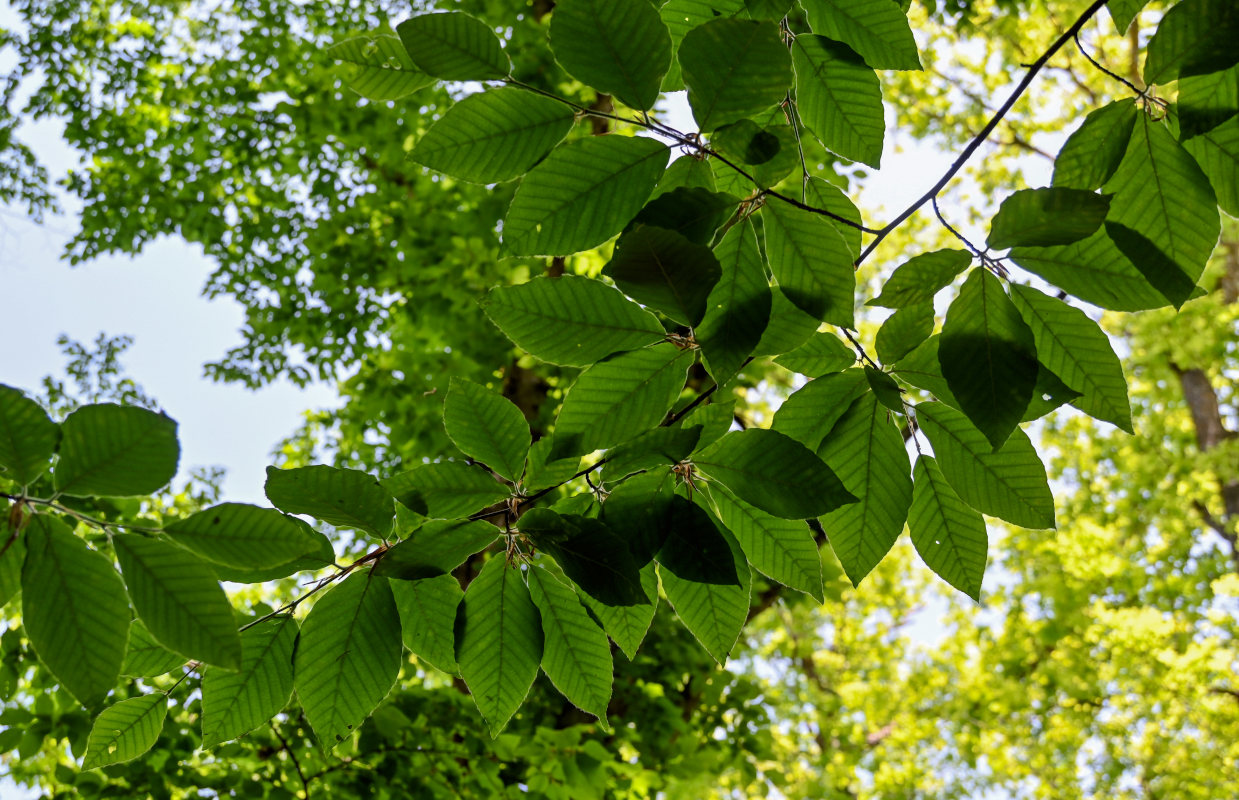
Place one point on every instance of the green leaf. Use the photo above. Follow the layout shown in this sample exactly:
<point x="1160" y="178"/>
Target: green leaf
<point x="949" y="535"/>
<point x="787" y="329"/>
<point x="427" y="619"/>
<point x="1194" y="37"/>
<point x="1094" y="151"/>
<point x="454" y="46"/>
<point x="436" y="548"/>
<point x="767" y="9"/>
<point x="571" y="321"/>
<point x="125" y="731"/>
<point x="781" y="549"/>
<point x="918" y="279"/>
<point x="447" y="489"/>
<point x="664" y="271"/>
<point x="116" y="451"/>
<point x="1076" y="350"/>
<point x="685" y="173"/>
<point x="885" y="388"/>
<point x="618" y="398"/>
<point x="713" y="611"/>
<point x="589" y="552"/>
<point x="811" y="261"/>
<point x="693" y="212"/>
<point x="321" y="556"/>
<point x="866" y="451"/>
<point x="1124" y="11"/>
<point x="713" y="418"/>
<point x="1161" y="195"/>
<point x="243" y="536"/>
<point x="74" y="610"/>
<point x="498" y="642"/>
<point x="147" y="658"/>
<point x="576" y="655"/>
<point x="1094" y="270"/>
<point x="988" y="356"/>
<point x="1206" y="101"/>
<point x="829" y="197"/>
<point x="657" y="447"/>
<point x="1009" y="483"/>
<point x="235" y="703"/>
<point x="1049" y="393"/>
<point x="627" y="625"/>
<point x="348" y="656"/>
<point x="11" y="560"/>
<point x="809" y="413"/>
<point x="878" y="31"/>
<point x="904" y="331"/>
<point x="345" y="498"/>
<point x="768" y="153"/>
<point x="179" y="599"/>
<point x="621" y="47"/>
<point x="28" y="437"/>
<point x="494" y="136"/>
<point x="487" y="427"/>
<point x="584" y="193"/>
<point x="839" y="98"/>
<point x="738" y="307"/>
<point x="822" y="354"/>
<point x="922" y="369"/>
<point x="638" y="511"/>
<point x="733" y="69"/>
<point x="681" y="16"/>
<point x="1217" y="152"/>
<point x="544" y="472"/>
<point x="775" y="473"/>
<point x="380" y="67"/>
<point x="1047" y="217"/>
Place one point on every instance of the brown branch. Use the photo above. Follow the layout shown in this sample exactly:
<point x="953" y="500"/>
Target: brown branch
<point x="305" y="782"/>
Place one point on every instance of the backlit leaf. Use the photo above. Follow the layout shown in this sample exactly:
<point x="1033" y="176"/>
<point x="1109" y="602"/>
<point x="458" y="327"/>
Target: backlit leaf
<point x="379" y="68"/>
<point x="487" y="427"/>
<point x="446" y="490"/>
<point x="576" y="655"/>
<point x="627" y="625"/>
<point x="345" y="498"/>
<point x="1206" y="101"/>
<point x="243" y="536"/>
<point x="904" y="331"/>
<point x="738" y="308"/>
<point x="1094" y="151"/>
<point x="714" y="611"/>
<point x="28" y="437"/>
<point x="664" y="271"/>
<point x="878" y="31"/>
<point x="809" y="413"/>
<point x="1047" y="217"/>
<point x="454" y="46"/>
<point x="811" y="261"/>
<point x="116" y="451"/>
<point x="1094" y="270"/>
<point x="839" y="98"/>
<point x="428" y="617"/>
<point x="436" y="548"/>
<point x="733" y="69"/>
<point x="621" y="47"/>
<point x="590" y="554"/>
<point x="781" y="549"/>
<point x="949" y="535"/>
<point x="681" y="16"/>
<point x="147" y="658"/>
<point x="125" y="731"/>
<point x="921" y="277"/>
<point x="1194" y="37"/>
<point x="822" y="354"/>
<point x="235" y="703"/>
<point x="1217" y="152"/>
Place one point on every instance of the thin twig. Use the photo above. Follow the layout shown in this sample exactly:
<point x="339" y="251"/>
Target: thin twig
<point x="305" y="782"/>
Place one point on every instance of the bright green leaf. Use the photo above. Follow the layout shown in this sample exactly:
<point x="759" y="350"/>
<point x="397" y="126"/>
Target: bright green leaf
<point x="447" y="489"/>
<point x="787" y="329"/>
<point x="379" y="67"/>
<point x="28" y="437"/>
<point x="811" y="261"/>
<point x="1094" y="270"/>
<point x="918" y="279"/>
<point x="1217" y="152"/>
<point x="147" y="658"/>
<point x="904" y="331"/>
<point x="1094" y="151"/>
<point x="235" y="703"/>
<point x="839" y="98"/>
<point x="454" y="46"/>
<point x="627" y="625"/>
<point x="125" y="731"/>
<point x="822" y="354"/>
<point x="949" y="535"/>
<point x="878" y="31"/>
<point x="1206" y="101"/>
<point x="810" y="412"/>
<point x="487" y="427"/>
<point x="243" y="536"/>
<point x="1194" y="37"/>
<point x="1124" y="11"/>
<point x="714" y="611"/>
<point x="781" y="549"/>
<point x="738" y="308"/>
<point x="576" y="655"/>
<point x="681" y="16"/>
<point x="428" y="617"/>
<point x="345" y="498"/>
<point x="436" y="548"/>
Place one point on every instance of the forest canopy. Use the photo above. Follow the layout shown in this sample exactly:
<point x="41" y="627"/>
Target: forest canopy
<point x="638" y="404"/>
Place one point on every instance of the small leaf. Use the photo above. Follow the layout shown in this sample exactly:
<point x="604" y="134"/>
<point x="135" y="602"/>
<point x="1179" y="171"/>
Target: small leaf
<point x="878" y="31"/>
<point x="839" y="98"/>
<point x="988" y="356"/>
<point x="498" y="642"/>
<point x="348" y="656"/>
<point x="1009" y="483"/>
<point x="904" y="331"/>
<point x="74" y="610"/>
<point x="436" y="548"/>
<point x="1094" y="270"/>
<point x="589" y="552"/>
<point x="917" y="280"/>
<point x="243" y="536"/>
<point x="147" y="658"/>
<point x="108" y="450"/>
<point x="235" y="703"/>
<point x="454" y="46"/>
<point x="446" y="490"/>
<point x="576" y="655"/>
<point x="1194" y="37"/>
<point x="664" y="271"/>
<point x="427" y="619"/>
<point x="493" y="136"/>
<point x="809" y="413"/>
<point x="125" y="731"/>
<point x="811" y="261"/>
<point x="733" y="69"/>
<point x="487" y="427"/>
<point x="1124" y="11"/>
<point x="885" y="388"/>
<point x="738" y="308"/>
<point x="822" y="354"/>
<point x="618" y="398"/>
<point x="715" y="610"/>
<point x="584" y="193"/>
<point x="775" y="473"/>
<point x="949" y="535"/>
<point x="1047" y="217"/>
<point x="781" y="549"/>
<point x="621" y="47"/>
<point x="28" y="437"/>
<point x="1094" y="151"/>
<point x="345" y="498"/>
<point x="179" y="599"/>
<point x="379" y="67"/>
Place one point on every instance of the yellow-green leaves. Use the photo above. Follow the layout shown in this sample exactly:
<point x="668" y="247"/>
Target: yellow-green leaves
<point x="244" y="536"/>
<point x="878" y="31"/>
<point x="116" y="451"/>
<point x="949" y="535"/>
<point x="839" y="98"/>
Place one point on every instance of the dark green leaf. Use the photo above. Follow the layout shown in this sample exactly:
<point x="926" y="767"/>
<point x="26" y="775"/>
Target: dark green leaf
<point x="1206" y="101"/>
<point x="1159" y="269"/>
<point x="1194" y="37"/>
<point x="904" y="331"/>
<point x="454" y="46"/>
<point x="436" y="548"/>
<point x="584" y="193"/>
<point x="179" y="599"/>
<point x="988" y="356"/>
<point x="542" y="472"/>
<point x="74" y="610"/>
<point x="810" y="412"/>
<point x="627" y="625"/>
<point x="1095" y="150"/>
<point x="949" y="535"/>
<point x="576" y="655"/>
<point x="11" y="560"/>
<point x="1217" y="152"/>
<point x="878" y="31"/>
<point x="822" y="354"/>
<point x="922" y="369"/>
<point x="125" y="731"/>
<point x="839" y="98"/>
<point x="693" y="212"/>
<point x="379" y="67"/>
<point x="694" y="549"/>
<point x="638" y="511"/>
<point x="589" y="552"/>
<point x="345" y="498"/>
<point x="244" y="536"/>
<point x="116" y="451"/>
<point x="685" y="173"/>
<point x="446" y="490"/>
<point x="348" y="656"/>
<point x="1048" y="394"/>
<point x="787" y="329"/>
<point x="321" y="556"/>
<point x="775" y="473"/>
<point x="493" y="136"/>
<point x="885" y="389"/>
<point x="1047" y="217"/>
<point x="681" y="16"/>
<point x="427" y="619"/>
<point x="768" y="153"/>
<point x="782" y="549"/>
<point x="811" y="261"/>
<point x="498" y="642"/>
<point x="618" y="398"/>
<point x="487" y="427"/>
<point x="714" y="419"/>
<point x="663" y="270"/>
<point x="658" y="447"/>
<point x="829" y="197"/>
<point x="28" y="437"/>
<point x="738" y="308"/>
<point x="1009" y="483"/>
<point x="1094" y="270"/>
<point x="147" y="658"/>
<point x="715" y="611"/>
<point x="917" y="280"/>
<point x="733" y="69"/>
<point x="621" y="47"/>
<point x="767" y="9"/>
<point x="235" y="703"/>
